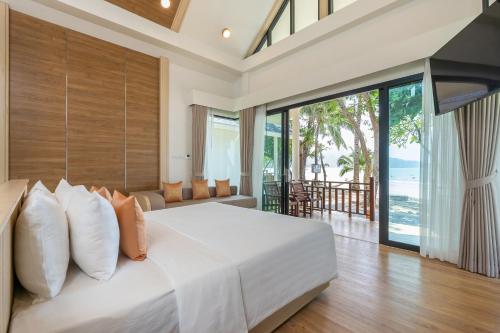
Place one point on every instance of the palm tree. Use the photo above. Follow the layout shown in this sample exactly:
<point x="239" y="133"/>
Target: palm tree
<point x="346" y="163"/>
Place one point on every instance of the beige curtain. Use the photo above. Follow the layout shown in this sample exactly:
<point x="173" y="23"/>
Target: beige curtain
<point x="478" y="127"/>
<point x="247" y="124"/>
<point x="199" y="134"/>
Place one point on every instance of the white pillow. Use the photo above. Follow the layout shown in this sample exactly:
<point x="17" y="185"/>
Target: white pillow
<point x="40" y="187"/>
<point x="64" y="192"/>
<point x="41" y="245"/>
<point x="94" y="234"/>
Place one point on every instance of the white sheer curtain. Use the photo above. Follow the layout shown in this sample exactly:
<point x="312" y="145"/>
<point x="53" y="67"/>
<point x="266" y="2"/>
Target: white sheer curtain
<point x="222" y="153"/>
<point x="441" y="186"/>
<point x="258" y="153"/>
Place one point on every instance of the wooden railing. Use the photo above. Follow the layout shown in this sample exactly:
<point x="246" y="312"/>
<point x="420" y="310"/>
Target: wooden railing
<point x="347" y="197"/>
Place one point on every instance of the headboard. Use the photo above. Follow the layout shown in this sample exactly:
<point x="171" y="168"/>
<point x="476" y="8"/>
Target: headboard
<point x="12" y="194"/>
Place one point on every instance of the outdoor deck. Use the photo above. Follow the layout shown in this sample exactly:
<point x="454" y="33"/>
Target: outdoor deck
<point x="356" y="227"/>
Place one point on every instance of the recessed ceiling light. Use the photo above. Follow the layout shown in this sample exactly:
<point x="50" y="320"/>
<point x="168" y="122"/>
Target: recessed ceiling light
<point x="226" y="33"/>
<point x="165" y="3"/>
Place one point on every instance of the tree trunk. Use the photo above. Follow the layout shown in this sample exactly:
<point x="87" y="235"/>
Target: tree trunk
<point x="376" y="133"/>
<point x="303" y="160"/>
<point x="355" y="160"/>
<point x="316" y="147"/>
<point x="323" y="167"/>
<point x="355" y="122"/>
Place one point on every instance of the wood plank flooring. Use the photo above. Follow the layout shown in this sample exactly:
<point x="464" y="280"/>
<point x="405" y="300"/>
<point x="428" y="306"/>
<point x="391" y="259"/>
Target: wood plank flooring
<point x="381" y="289"/>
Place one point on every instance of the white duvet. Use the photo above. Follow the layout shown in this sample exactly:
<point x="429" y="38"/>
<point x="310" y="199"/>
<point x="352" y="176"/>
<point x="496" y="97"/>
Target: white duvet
<point x="278" y="258"/>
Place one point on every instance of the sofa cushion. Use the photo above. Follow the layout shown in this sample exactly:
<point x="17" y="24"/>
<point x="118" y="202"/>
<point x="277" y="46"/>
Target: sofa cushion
<point x="222" y="188"/>
<point x="172" y="192"/>
<point x="235" y="200"/>
<point x="200" y="189"/>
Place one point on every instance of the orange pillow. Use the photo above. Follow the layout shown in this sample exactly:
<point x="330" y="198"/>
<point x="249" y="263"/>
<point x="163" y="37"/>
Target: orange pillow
<point x="103" y="192"/>
<point x="172" y="192"/>
<point x="222" y="188"/>
<point x="200" y="189"/>
<point x="132" y="227"/>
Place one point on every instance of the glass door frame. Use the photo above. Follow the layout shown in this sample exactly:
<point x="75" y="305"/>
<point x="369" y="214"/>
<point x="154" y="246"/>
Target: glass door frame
<point x="383" y="151"/>
<point x="284" y="156"/>
<point x="384" y="126"/>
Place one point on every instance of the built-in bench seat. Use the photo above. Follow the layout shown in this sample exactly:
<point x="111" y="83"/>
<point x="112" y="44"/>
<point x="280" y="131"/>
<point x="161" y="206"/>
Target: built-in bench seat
<point x="154" y="200"/>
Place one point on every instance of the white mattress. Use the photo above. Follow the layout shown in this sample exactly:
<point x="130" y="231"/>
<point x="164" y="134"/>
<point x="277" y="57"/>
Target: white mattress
<point x="279" y="258"/>
<point x="138" y="298"/>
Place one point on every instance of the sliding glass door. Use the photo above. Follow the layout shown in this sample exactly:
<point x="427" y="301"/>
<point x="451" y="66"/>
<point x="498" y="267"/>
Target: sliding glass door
<point x="389" y="119"/>
<point x="275" y="182"/>
<point x="401" y="123"/>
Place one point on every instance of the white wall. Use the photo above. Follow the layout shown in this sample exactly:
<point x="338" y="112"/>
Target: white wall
<point x="182" y="83"/>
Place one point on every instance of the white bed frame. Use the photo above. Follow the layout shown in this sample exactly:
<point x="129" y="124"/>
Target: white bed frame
<point x="12" y="194"/>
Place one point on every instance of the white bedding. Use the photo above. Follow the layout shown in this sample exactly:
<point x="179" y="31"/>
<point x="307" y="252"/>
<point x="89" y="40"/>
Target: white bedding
<point x="207" y="286"/>
<point x="138" y="298"/>
<point x="278" y="258"/>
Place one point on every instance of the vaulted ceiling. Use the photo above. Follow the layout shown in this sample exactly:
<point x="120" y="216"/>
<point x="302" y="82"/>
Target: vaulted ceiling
<point x="204" y="20"/>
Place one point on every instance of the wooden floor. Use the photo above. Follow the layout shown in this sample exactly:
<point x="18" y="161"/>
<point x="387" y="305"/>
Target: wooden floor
<point x="381" y="289"/>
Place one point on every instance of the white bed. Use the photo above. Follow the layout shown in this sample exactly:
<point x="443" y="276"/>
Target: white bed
<point x="278" y="258"/>
<point x="210" y="268"/>
<point x="139" y="298"/>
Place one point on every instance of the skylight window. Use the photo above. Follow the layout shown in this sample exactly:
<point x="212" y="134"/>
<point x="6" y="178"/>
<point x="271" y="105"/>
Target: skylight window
<point x="295" y="15"/>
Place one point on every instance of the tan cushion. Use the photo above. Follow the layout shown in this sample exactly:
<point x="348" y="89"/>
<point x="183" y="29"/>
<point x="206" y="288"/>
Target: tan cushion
<point x="172" y="192"/>
<point x="200" y="189"/>
<point x="132" y="226"/>
<point x="222" y="188"/>
<point x="103" y="191"/>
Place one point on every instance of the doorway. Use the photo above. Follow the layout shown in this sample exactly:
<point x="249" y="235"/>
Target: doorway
<point x="357" y="154"/>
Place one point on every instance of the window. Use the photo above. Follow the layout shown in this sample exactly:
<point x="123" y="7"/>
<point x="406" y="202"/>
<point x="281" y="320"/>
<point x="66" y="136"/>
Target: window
<point x="295" y="15"/>
<point x="222" y="153"/>
<point x="282" y="28"/>
<point x="306" y="13"/>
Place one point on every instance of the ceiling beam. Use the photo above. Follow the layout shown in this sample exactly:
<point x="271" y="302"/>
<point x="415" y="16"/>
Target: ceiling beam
<point x="179" y="16"/>
<point x="263" y="30"/>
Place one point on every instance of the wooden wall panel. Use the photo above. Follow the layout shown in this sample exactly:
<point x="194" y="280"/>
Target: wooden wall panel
<point x="96" y="112"/>
<point x="142" y="126"/>
<point x="81" y="108"/>
<point x="37" y="100"/>
<point x="150" y="9"/>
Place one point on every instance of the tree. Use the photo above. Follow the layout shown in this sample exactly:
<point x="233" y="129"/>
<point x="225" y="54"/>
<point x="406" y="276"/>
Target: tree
<point x="371" y="102"/>
<point x="405" y="105"/>
<point x="346" y="163"/>
<point x="321" y="121"/>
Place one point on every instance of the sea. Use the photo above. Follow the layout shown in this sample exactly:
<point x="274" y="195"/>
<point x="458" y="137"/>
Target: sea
<point x="402" y="181"/>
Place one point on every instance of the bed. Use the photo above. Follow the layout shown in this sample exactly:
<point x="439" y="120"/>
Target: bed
<point x="139" y="298"/>
<point x="210" y="268"/>
<point x="278" y="258"/>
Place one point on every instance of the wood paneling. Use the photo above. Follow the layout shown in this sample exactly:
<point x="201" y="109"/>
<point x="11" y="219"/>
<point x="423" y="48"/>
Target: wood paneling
<point x="142" y="122"/>
<point x="382" y="289"/>
<point x="96" y="112"/>
<point x="4" y="92"/>
<point x="37" y="100"/>
<point x="73" y="99"/>
<point x="164" y="119"/>
<point x="150" y="9"/>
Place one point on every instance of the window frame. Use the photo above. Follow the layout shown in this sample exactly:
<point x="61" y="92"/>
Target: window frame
<point x="268" y="35"/>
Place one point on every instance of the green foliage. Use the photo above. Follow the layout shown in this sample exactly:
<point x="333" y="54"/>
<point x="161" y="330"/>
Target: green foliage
<point x="406" y="118"/>
<point x="346" y="163"/>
